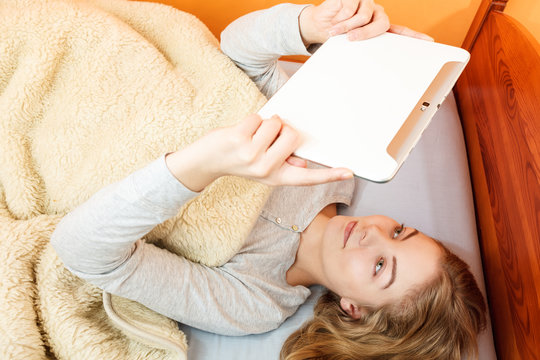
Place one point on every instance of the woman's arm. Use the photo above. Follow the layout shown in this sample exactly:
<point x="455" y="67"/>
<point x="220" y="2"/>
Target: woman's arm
<point x="257" y="40"/>
<point x="100" y="237"/>
<point x="100" y="242"/>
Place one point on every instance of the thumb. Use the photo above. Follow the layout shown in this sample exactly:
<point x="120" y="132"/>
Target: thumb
<point x="303" y="176"/>
<point x="296" y="161"/>
<point x="250" y="124"/>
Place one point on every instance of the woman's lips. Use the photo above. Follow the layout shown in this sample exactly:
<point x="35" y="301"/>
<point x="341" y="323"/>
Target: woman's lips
<point x="348" y="231"/>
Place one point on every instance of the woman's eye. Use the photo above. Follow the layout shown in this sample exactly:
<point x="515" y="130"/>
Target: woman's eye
<point x="398" y="231"/>
<point x="379" y="265"/>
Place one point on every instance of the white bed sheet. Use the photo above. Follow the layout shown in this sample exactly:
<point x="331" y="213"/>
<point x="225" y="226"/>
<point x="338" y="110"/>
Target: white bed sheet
<point x="431" y="192"/>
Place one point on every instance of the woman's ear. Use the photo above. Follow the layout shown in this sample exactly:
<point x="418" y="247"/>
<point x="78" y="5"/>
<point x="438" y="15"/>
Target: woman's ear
<point x="354" y="311"/>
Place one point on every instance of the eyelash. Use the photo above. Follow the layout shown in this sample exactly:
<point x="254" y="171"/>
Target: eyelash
<point x="398" y="231"/>
<point x="380" y="261"/>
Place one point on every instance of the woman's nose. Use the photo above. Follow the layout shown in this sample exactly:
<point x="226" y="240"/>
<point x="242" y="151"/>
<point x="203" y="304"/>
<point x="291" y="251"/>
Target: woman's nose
<point x="376" y="235"/>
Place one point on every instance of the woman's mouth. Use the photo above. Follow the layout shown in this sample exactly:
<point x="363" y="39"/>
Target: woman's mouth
<point x="348" y="231"/>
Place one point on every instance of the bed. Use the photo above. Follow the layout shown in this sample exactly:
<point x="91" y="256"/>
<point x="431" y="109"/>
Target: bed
<point x="473" y="181"/>
<point x="432" y="192"/>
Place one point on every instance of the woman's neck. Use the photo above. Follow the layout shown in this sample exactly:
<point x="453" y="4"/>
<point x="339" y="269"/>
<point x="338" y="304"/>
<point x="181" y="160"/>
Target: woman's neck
<point x="306" y="268"/>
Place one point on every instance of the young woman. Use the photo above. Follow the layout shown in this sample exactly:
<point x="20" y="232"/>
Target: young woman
<point x="394" y="292"/>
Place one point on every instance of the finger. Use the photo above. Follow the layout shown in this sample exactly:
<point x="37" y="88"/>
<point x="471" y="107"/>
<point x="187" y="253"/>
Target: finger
<point x="250" y="124"/>
<point x="283" y="147"/>
<point x="403" y="30"/>
<point x="348" y="9"/>
<point x="302" y="176"/>
<point x="365" y="10"/>
<point x="361" y="18"/>
<point x="267" y="133"/>
<point x="379" y="24"/>
<point x="296" y="161"/>
<point x="331" y="6"/>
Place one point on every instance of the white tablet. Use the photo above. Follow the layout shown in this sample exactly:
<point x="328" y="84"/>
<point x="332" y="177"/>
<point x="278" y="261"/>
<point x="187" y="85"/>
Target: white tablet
<point x="364" y="104"/>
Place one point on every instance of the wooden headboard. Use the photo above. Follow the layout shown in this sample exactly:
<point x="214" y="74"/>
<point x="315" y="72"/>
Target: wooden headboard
<point x="499" y="100"/>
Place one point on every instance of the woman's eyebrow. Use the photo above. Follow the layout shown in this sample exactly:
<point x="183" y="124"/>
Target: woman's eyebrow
<point x="393" y="277"/>
<point x="412" y="233"/>
<point x="394" y="261"/>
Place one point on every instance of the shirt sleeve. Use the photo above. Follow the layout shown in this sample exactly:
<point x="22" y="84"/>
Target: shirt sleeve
<point x="100" y="242"/>
<point x="257" y="40"/>
<point x="99" y="236"/>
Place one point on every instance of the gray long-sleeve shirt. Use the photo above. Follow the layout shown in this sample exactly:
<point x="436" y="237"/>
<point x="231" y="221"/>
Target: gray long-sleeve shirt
<point x="100" y="241"/>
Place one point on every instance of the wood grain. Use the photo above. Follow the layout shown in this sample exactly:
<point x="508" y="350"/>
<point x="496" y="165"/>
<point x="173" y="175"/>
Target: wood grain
<point x="499" y="100"/>
<point x="485" y="7"/>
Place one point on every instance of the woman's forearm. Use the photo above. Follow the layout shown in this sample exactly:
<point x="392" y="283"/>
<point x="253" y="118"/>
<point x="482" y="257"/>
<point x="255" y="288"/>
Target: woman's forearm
<point x="99" y="236"/>
<point x="257" y="40"/>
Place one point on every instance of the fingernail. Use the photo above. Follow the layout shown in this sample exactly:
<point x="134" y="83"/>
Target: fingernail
<point x="334" y="31"/>
<point x="346" y="175"/>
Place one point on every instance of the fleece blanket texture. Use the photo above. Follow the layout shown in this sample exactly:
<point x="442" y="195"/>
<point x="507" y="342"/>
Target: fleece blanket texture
<point x="89" y="92"/>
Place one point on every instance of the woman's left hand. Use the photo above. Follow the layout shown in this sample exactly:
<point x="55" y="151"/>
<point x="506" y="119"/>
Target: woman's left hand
<point x="360" y="19"/>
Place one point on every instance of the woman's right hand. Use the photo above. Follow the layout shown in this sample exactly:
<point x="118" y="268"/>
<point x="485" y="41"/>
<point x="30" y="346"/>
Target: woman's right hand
<point x="359" y="19"/>
<point x="256" y="149"/>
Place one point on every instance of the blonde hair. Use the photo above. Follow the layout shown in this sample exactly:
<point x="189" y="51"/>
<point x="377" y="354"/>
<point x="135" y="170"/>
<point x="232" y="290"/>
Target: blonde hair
<point x="440" y="320"/>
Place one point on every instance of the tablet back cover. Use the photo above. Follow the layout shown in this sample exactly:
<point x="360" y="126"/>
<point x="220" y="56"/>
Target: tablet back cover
<point x="364" y="104"/>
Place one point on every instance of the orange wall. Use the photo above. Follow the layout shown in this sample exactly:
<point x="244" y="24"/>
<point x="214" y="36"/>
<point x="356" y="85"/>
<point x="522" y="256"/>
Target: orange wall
<point x="446" y="21"/>
<point x="526" y="12"/>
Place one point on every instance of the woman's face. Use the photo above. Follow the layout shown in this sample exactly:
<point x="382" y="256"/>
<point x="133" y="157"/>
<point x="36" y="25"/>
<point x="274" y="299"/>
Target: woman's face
<point x="371" y="261"/>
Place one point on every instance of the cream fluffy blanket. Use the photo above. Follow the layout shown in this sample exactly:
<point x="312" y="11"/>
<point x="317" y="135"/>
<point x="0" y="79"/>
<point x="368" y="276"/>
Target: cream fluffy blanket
<point x="89" y="92"/>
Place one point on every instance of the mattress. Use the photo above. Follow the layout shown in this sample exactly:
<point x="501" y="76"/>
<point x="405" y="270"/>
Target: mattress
<point x="431" y="192"/>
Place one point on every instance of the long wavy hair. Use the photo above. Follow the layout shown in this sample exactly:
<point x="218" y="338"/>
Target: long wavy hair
<point x="439" y="320"/>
